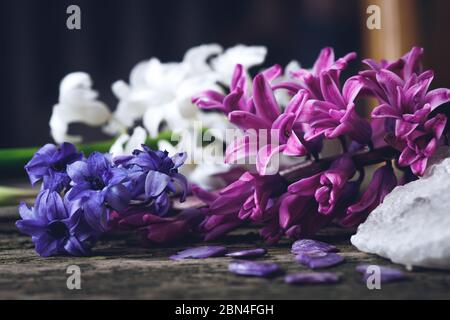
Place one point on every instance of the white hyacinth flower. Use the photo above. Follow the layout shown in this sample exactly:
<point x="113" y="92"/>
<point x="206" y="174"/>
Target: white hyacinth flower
<point x="125" y="145"/>
<point x="160" y="93"/>
<point x="77" y="104"/>
<point x="248" y="56"/>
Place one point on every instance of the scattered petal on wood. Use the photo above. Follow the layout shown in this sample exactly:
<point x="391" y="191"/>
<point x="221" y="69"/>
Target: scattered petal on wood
<point x="386" y="274"/>
<point x="311" y="277"/>
<point x="255" y="269"/>
<point x="200" y="253"/>
<point x="319" y="259"/>
<point x="252" y="253"/>
<point x="307" y="245"/>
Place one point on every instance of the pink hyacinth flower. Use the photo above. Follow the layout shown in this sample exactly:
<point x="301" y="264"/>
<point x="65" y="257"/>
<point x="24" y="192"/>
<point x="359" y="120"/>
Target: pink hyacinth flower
<point x="409" y="103"/>
<point x="336" y="116"/>
<point x="327" y="187"/>
<point x="382" y="183"/>
<point x="268" y="131"/>
<point x="421" y="145"/>
<point x="310" y="79"/>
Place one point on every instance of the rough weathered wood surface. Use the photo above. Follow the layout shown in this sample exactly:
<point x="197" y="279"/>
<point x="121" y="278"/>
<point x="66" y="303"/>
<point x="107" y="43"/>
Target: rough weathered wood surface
<point x="121" y="269"/>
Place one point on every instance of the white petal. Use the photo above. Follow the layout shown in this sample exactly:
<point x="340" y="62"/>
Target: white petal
<point x="136" y="140"/>
<point x="292" y="66"/>
<point x="204" y="176"/>
<point x="166" y="145"/>
<point x="75" y="80"/>
<point x="153" y="119"/>
<point x="248" y="56"/>
<point x="94" y="113"/>
<point x="197" y="84"/>
<point x="125" y="145"/>
<point x="114" y="127"/>
<point x="128" y="112"/>
<point x="164" y="76"/>
<point x="137" y="75"/>
<point x="58" y="130"/>
<point x="117" y="149"/>
<point x="77" y="104"/>
<point x="282" y="96"/>
<point x="197" y="58"/>
<point x="121" y="89"/>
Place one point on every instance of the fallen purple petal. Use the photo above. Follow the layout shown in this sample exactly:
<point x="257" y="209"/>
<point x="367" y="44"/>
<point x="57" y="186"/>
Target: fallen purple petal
<point x="311" y="277"/>
<point x="200" y="253"/>
<point x="252" y="253"/>
<point x="307" y="245"/>
<point x="319" y="259"/>
<point x="386" y="274"/>
<point x="255" y="269"/>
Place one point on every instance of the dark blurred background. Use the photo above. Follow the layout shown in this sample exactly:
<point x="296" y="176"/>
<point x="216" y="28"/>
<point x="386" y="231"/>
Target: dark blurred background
<point x="37" y="50"/>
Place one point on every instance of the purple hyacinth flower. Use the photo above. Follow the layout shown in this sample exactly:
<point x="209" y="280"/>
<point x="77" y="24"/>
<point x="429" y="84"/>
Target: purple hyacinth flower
<point x="157" y="229"/>
<point x="244" y="254"/>
<point x="298" y="216"/>
<point x="267" y="130"/>
<point x="335" y="115"/>
<point x="251" y="197"/>
<point x="310" y="79"/>
<point x="165" y="230"/>
<point x="49" y="164"/>
<point x="214" y="226"/>
<point x="327" y="187"/>
<point x="200" y="253"/>
<point x="55" y="228"/>
<point x="382" y="183"/>
<point x="99" y="186"/>
<point x="152" y="175"/>
<point x="409" y="103"/>
<point x="312" y="278"/>
<point x="406" y="105"/>
<point x="271" y="232"/>
<point x="422" y="144"/>
<point x="319" y="259"/>
<point x="404" y="68"/>
<point x="386" y="274"/>
<point x="237" y="99"/>
<point x="293" y="208"/>
<point x="309" y="245"/>
<point x="254" y="269"/>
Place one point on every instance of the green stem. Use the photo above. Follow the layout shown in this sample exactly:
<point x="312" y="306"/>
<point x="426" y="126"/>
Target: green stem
<point x="12" y="196"/>
<point x="12" y="161"/>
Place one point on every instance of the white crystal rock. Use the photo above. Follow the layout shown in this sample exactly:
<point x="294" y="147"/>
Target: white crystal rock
<point x="412" y="225"/>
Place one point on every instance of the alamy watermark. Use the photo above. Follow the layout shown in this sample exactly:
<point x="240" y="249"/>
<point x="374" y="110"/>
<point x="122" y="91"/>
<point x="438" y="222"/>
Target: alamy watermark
<point x="74" y="280"/>
<point x="373" y="277"/>
<point x="374" y="19"/>
<point x="242" y="148"/>
<point x="73" y="21"/>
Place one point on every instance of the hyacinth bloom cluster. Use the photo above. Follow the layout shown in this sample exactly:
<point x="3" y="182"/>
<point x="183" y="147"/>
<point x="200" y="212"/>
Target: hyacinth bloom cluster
<point x="406" y="104"/>
<point x="327" y="187"/>
<point x="321" y="108"/>
<point x="154" y="99"/>
<point x="268" y="130"/>
<point x="82" y="198"/>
